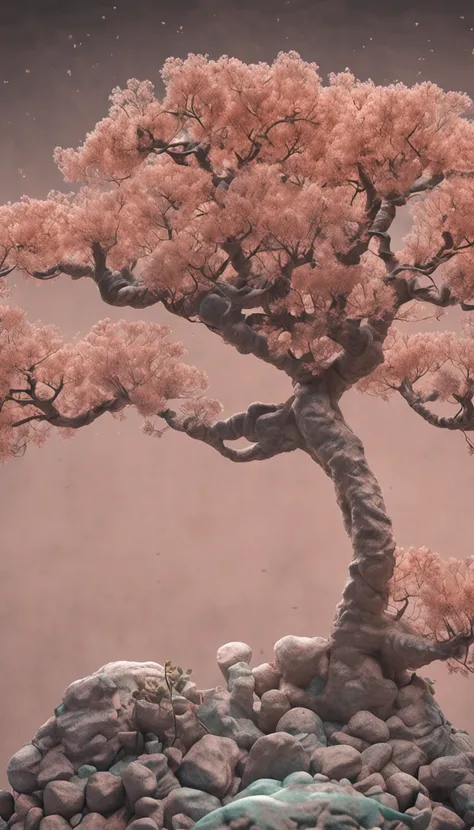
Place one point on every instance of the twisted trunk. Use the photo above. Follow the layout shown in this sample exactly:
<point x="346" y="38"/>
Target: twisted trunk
<point x="361" y="628"/>
<point x="332" y="444"/>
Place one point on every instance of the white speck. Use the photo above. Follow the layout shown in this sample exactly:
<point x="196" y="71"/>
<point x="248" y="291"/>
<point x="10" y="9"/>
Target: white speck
<point x="417" y="24"/>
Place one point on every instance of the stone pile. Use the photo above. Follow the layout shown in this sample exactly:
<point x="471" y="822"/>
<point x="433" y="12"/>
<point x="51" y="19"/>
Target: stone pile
<point x="107" y="760"/>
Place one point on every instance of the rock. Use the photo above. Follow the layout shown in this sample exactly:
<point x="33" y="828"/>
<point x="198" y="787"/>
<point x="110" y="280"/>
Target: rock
<point x="389" y="769"/>
<point x="267" y="677"/>
<point x="174" y="756"/>
<point x="24" y="803"/>
<point x="274" y="756"/>
<point x="209" y="765"/>
<point x="182" y="822"/>
<point x="63" y="798"/>
<point x="232" y="653"/>
<point x="366" y="782"/>
<point x="117" y="821"/>
<point x="462" y="798"/>
<point x="376" y="756"/>
<point x="55" y="823"/>
<point x="405" y="788"/>
<point x="106" y="761"/>
<point x="55" y="766"/>
<point x="194" y="803"/>
<point x="241" y="686"/>
<point x="104" y="792"/>
<point x="23" y="768"/>
<point x="299" y="659"/>
<point x="342" y="738"/>
<point x="93" y="821"/>
<point x="95" y="692"/>
<point x="337" y="762"/>
<point x="446" y="773"/>
<point x="353" y="684"/>
<point x="368" y="727"/>
<point x="6" y="805"/>
<point x="443" y="819"/>
<point x="147" y="807"/>
<point x="407" y="756"/>
<point x="139" y="781"/>
<point x="297" y="720"/>
<point x="274" y="704"/>
<point x="47" y="735"/>
<point x="33" y="818"/>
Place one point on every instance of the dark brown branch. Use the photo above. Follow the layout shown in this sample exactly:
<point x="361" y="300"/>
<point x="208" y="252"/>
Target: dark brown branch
<point x="52" y="416"/>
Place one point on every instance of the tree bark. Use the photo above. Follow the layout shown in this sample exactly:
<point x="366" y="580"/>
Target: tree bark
<point x="361" y="621"/>
<point x="332" y="444"/>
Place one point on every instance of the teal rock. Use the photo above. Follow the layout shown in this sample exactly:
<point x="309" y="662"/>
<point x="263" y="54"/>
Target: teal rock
<point x="303" y="802"/>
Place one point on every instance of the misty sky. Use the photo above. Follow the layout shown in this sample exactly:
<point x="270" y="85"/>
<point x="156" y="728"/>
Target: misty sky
<point x="118" y="546"/>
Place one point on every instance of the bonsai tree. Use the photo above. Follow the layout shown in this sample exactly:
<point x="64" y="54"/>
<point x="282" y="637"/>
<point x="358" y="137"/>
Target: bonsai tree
<point x="256" y="201"/>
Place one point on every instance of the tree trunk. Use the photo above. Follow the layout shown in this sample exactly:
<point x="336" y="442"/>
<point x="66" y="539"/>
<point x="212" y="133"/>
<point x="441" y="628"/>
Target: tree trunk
<point x="363" y="633"/>
<point x="332" y="444"/>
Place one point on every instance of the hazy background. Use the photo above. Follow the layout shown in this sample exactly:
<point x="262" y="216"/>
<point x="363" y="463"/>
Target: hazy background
<point x="118" y="546"/>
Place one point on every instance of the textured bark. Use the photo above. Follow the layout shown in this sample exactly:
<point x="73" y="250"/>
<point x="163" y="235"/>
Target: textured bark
<point x="271" y="427"/>
<point x="361" y="621"/>
<point x="332" y="444"/>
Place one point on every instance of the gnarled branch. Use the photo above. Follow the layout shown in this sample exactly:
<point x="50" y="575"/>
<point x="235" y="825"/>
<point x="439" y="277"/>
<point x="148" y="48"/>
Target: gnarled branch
<point x="405" y="649"/>
<point x="463" y="421"/>
<point x="270" y="426"/>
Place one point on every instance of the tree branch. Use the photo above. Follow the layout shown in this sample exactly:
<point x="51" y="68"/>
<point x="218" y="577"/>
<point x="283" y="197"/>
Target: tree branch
<point x="463" y="421"/>
<point x="405" y="649"/>
<point x="51" y="415"/>
<point x="270" y="426"/>
<point x="218" y="314"/>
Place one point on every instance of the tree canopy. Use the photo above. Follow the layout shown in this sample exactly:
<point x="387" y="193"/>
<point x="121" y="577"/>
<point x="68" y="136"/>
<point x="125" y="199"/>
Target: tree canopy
<point x="257" y="201"/>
